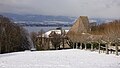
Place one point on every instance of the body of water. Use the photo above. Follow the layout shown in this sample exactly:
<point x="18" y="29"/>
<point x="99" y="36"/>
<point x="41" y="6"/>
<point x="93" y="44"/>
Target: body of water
<point x="37" y="29"/>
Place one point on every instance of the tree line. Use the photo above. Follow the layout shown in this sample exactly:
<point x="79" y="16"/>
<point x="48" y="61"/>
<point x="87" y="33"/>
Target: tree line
<point x="12" y="36"/>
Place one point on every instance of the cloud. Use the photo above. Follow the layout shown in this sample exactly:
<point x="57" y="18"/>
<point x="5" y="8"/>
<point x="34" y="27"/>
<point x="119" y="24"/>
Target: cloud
<point x="99" y="8"/>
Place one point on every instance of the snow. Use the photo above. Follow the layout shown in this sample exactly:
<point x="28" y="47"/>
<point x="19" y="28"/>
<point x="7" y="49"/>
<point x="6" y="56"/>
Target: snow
<point x="71" y="58"/>
<point x="92" y="21"/>
<point x="57" y="22"/>
<point x="56" y="31"/>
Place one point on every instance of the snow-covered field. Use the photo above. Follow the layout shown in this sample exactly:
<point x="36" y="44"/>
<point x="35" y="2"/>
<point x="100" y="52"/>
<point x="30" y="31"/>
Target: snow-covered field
<point x="71" y="58"/>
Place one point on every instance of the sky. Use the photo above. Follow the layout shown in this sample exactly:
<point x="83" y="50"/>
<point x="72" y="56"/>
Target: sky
<point x="92" y="8"/>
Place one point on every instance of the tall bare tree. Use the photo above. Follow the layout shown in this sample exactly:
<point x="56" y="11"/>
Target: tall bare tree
<point x="12" y="36"/>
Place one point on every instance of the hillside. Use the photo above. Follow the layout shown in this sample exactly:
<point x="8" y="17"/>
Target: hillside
<point x="44" y="20"/>
<point x="72" y="58"/>
<point x="39" y="20"/>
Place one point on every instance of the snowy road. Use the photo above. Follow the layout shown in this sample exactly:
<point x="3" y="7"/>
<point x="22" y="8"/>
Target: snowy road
<point x="59" y="59"/>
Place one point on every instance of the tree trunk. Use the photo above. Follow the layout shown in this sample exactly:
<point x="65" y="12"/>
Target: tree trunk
<point x="99" y="48"/>
<point x="85" y="46"/>
<point x="116" y="49"/>
<point x="63" y="44"/>
<point x="73" y="45"/>
<point x="76" y="45"/>
<point x="0" y="47"/>
<point x="81" y="46"/>
<point x="41" y="38"/>
<point x="91" y="47"/>
<point x="6" y="48"/>
<point x="107" y="52"/>
<point x="55" y="47"/>
<point x="59" y="46"/>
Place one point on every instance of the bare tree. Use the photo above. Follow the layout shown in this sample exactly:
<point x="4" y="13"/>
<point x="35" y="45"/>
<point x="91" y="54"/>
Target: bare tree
<point x="34" y="38"/>
<point x="12" y="36"/>
<point x="56" y="39"/>
<point x="113" y="33"/>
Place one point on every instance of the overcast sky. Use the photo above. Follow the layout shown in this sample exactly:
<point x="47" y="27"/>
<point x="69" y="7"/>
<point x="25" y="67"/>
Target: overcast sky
<point x="92" y="8"/>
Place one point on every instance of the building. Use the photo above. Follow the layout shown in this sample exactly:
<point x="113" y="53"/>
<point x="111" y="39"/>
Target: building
<point x="53" y="39"/>
<point x="81" y="26"/>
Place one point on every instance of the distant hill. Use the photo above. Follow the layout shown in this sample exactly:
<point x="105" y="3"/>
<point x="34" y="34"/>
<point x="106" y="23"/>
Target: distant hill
<point x="38" y="20"/>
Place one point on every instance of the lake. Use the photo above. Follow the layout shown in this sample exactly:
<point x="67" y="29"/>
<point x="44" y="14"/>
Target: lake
<point x="37" y="29"/>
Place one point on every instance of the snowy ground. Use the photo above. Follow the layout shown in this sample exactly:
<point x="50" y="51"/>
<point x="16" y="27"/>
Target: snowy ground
<point x="72" y="58"/>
